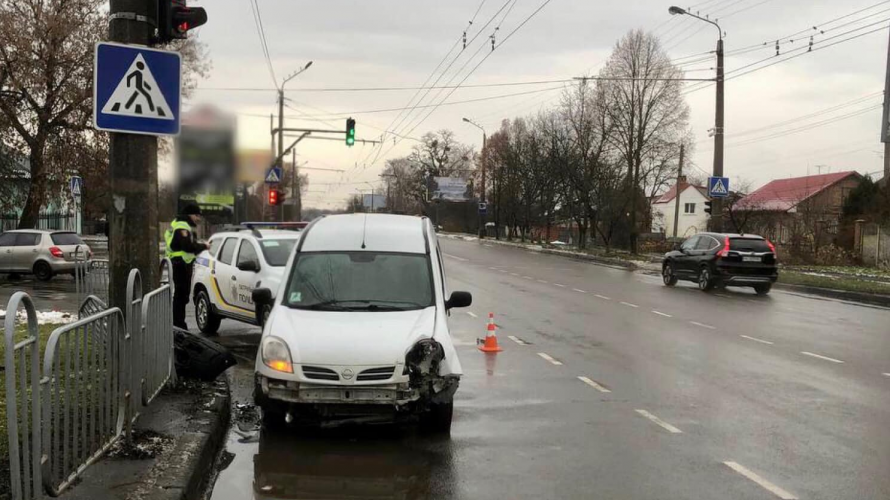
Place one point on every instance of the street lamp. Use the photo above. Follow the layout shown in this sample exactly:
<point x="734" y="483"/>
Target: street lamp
<point x="481" y="215"/>
<point x="298" y="216"/>
<point x="717" y="213"/>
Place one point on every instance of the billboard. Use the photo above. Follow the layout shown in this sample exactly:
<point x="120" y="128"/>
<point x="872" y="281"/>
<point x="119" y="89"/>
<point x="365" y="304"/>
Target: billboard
<point x="450" y="189"/>
<point x="205" y="162"/>
<point x="252" y="165"/>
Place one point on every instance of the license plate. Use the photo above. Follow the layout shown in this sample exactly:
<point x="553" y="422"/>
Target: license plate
<point x="750" y="259"/>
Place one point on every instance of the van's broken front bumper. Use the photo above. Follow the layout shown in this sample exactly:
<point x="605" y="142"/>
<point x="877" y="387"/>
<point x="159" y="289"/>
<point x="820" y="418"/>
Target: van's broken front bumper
<point x="297" y="392"/>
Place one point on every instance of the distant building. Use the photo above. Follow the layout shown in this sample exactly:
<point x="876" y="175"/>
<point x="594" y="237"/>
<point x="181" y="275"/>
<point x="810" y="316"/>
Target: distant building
<point x="800" y="210"/>
<point x="692" y="218"/>
<point x="15" y="179"/>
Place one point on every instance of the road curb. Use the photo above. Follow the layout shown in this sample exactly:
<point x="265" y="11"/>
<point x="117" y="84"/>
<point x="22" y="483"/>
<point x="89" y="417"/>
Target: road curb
<point x="194" y="419"/>
<point x="861" y="297"/>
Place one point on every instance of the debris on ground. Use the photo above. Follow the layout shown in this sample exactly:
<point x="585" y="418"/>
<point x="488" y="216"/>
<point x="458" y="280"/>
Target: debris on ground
<point x="144" y="445"/>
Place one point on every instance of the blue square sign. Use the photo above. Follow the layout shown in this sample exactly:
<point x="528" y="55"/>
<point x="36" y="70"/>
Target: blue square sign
<point x="136" y="90"/>
<point x="718" y="187"/>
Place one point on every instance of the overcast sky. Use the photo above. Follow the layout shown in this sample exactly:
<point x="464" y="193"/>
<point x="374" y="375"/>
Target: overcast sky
<point x="381" y="43"/>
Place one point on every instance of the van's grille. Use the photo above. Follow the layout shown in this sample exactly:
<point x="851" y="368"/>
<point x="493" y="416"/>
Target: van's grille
<point x="319" y="373"/>
<point x="382" y="373"/>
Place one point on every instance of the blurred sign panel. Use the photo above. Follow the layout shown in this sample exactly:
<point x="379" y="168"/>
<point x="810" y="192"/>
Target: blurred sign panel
<point x="450" y="189"/>
<point x="252" y="164"/>
<point x="205" y="153"/>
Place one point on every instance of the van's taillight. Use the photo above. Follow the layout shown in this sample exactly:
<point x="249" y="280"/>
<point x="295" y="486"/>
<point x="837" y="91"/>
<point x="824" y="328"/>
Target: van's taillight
<point x="772" y="248"/>
<point x="725" y="250"/>
<point x="56" y="252"/>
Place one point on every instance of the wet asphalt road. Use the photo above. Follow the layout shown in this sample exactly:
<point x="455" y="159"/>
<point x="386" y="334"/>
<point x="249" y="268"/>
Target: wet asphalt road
<point x="611" y="386"/>
<point x="57" y="294"/>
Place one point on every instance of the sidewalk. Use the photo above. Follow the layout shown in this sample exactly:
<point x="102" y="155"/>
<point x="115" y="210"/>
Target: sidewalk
<point x="176" y="440"/>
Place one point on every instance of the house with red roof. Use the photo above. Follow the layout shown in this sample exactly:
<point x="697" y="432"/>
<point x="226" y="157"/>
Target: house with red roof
<point x="692" y="218"/>
<point x="795" y="210"/>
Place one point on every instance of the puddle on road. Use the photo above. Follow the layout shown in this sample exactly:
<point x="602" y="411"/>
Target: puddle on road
<point x="354" y="462"/>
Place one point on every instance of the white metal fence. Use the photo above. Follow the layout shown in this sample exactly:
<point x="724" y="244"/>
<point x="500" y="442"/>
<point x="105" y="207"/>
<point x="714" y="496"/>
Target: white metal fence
<point x="96" y="376"/>
<point x="90" y="279"/>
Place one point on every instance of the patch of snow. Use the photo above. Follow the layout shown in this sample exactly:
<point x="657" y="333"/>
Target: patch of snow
<point x="46" y="317"/>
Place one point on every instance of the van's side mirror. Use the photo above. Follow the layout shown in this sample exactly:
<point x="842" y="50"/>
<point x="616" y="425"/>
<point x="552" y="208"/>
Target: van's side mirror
<point x="459" y="299"/>
<point x="262" y="297"/>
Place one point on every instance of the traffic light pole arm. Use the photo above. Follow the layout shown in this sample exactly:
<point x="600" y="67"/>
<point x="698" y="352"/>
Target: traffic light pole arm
<point x="309" y="130"/>
<point x="286" y="151"/>
<point x="365" y="141"/>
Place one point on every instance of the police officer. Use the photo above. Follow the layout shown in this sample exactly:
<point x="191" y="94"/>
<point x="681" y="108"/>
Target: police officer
<point x="181" y="249"/>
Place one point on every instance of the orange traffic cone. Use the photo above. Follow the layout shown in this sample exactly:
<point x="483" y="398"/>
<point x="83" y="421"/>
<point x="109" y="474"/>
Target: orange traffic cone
<point x="491" y="338"/>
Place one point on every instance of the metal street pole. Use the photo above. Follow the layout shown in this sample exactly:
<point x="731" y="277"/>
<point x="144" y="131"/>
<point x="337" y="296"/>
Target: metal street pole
<point x="717" y="205"/>
<point x="885" y="124"/>
<point x="677" y="191"/>
<point x="133" y="172"/>
<point x="280" y="162"/>
<point x="482" y="216"/>
<point x="372" y="195"/>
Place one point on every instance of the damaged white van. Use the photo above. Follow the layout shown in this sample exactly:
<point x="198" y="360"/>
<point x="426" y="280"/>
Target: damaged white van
<point x="358" y="331"/>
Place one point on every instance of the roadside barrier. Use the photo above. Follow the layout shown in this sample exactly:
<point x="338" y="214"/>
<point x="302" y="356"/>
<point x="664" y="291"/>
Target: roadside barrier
<point x="97" y="374"/>
<point x="90" y="277"/>
<point x="490" y="344"/>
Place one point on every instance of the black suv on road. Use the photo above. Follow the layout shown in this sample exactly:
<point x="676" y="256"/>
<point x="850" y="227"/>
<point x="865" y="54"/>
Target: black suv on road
<point x="718" y="259"/>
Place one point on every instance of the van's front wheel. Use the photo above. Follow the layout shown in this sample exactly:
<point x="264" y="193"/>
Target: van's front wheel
<point x="437" y="420"/>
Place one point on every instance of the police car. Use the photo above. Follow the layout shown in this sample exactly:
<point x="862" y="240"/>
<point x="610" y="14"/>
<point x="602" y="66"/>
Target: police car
<point x="239" y="260"/>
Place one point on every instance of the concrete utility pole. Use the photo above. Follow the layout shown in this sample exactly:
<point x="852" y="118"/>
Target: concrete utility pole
<point x="885" y="123"/>
<point x="677" y="190"/>
<point x="133" y="170"/>
<point x="482" y="216"/>
<point x="716" y="221"/>
<point x="281" y="121"/>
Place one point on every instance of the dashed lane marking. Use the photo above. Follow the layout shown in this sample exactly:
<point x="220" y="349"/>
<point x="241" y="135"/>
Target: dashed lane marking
<point x="487" y="246"/>
<point x="528" y="277"/>
<point x="887" y="374"/>
<point x="662" y="314"/>
<point x="472" y="314"/>
<point x="593" y="384"/>
<point x="513" y="274"/>
<point x="696" y="323"/>
<point x="659" y="422"/>
<point x="550" y="358"/>
<point x="455" y="257"/>
<point x="755" y="339"/>
<point x="772" y="488"/>
<point x="517" y="340"/>
<point x="826" y="358"/>
<point x="493" y="268"/>
<point x="578" y="290"/>
<point x="559" y="285"/>
<point x="542" y="281"/>
<point x="601" y="296"/>
<point x="628" y="304"/>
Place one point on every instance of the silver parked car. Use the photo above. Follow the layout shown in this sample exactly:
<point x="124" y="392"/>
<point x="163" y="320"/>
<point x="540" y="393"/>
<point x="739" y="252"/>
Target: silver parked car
<point x="43" y="253"/>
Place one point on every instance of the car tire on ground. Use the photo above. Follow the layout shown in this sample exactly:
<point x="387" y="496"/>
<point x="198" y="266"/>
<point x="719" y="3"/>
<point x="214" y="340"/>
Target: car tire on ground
<point x="437" y="420"/>
<point x="208" y="321"/>
<point x="763" y="289"/>
<point x="43" y="271"/>
<point x="667" y="274"/>
<point x="705" y="280"/>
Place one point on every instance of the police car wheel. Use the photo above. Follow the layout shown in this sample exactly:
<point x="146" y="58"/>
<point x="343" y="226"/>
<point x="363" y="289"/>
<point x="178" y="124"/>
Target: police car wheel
<point x="208" y="321"/>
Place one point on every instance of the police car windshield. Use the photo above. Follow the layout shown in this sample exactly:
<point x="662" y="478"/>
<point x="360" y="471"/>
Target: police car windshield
<point x="277" y="252"/>
<point x="361" y="281"/>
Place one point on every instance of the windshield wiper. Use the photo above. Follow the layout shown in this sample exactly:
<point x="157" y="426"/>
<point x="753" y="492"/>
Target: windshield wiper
<point x="327" y="305"/>
<point x="382" y="305"/>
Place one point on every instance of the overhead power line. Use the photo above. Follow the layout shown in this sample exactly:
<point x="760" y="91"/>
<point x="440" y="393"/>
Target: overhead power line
<point x="386" y="89"/>
<point x="261" y="32"/>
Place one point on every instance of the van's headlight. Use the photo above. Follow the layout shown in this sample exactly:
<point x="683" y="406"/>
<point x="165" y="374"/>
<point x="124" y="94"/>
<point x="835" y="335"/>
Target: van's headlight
<point x="276" y="355"/>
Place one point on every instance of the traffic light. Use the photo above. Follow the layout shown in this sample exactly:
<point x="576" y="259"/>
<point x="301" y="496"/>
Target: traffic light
<point x="708" y="206"/>
<point x="273" y="197"/>
<point x="350" y="131"/>
<point x="175" y="19"/>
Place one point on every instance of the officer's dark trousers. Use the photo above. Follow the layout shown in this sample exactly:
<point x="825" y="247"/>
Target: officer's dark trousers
<point x="182" y="281"/>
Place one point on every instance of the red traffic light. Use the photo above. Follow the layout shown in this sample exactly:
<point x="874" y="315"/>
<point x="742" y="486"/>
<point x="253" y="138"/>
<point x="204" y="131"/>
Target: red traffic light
<point x="175" y="19"/>
<point x="273" y="197"/>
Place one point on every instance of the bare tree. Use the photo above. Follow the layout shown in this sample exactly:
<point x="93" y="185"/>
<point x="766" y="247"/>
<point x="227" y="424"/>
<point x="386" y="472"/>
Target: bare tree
<point x="646" y="110"/>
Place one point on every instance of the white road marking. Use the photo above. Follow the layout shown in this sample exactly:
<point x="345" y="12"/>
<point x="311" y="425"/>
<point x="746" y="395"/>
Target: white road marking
<point x="542" y="281"/>
<point x="550" y="358"/>
<point x="593" y="384"/>
<point x="887" y="374"/>
<point x="513" y="274"/>
<point x="472" y="314"/>
<point x="826" y="358"/>
<point x="628" y="304"/>
<point x="601" y="296"/>
<point x="487" y="246"/>
<point x="772" y="488"/>
<point x="517" y="340"/>
<point x="757" y="340"/>
<point x="659" y="422"/>
<point x="559" y="285"/>
<point x="662" y="314"/>
<point x="528" y="277"/>
<point x="696" y="323"/>
<point x="455" y="257"/>
<point x="493" y="268"/>
<point x="578" y="290"/>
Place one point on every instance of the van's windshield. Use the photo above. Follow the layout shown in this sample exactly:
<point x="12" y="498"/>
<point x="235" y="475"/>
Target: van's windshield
<point x="360" y="281"/>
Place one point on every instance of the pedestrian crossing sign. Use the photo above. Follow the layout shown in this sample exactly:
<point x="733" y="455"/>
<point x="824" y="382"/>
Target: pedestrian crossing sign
<point x="136" y="90"/>
<point x="273" y="175"/>
<point x="718" y="187"/>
